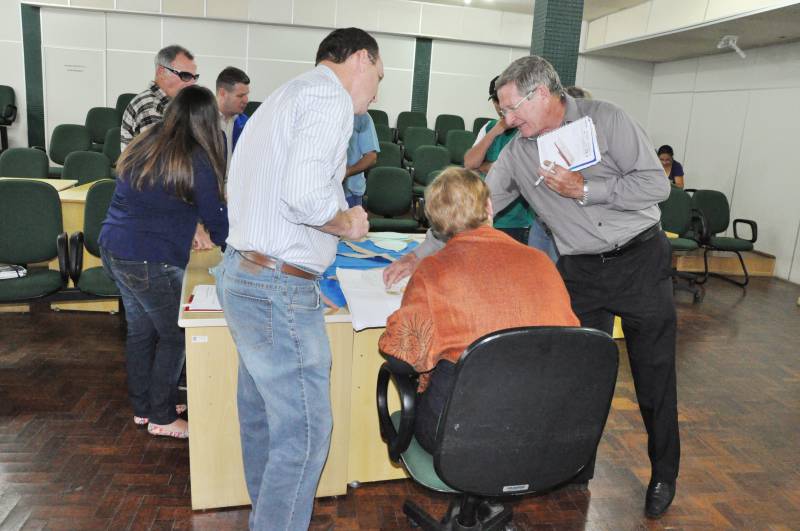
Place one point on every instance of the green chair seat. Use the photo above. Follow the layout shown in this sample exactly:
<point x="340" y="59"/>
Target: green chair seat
<point x="683" y="244"/>
<point x="95" y="281"/>
<point x="23" y="162"/>
<point x="419" y="463"/>
<point x="37" y="283"/>
<point x="393" y="224"/>
<point x="419" y="189"/>
<point x="724" y="243"/>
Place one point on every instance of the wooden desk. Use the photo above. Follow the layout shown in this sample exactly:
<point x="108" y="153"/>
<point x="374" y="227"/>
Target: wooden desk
<point x="357" y="452"/>
<point x="58" y="184"/>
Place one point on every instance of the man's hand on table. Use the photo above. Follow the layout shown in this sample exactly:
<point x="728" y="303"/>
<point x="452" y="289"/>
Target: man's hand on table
<point x="400" y="269"/>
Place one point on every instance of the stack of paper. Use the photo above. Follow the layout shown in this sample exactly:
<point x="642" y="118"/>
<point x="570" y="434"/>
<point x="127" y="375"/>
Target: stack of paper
<point x="572" y="146"/>
<point x="368" y="300"/>
<point x="204" y="299"/>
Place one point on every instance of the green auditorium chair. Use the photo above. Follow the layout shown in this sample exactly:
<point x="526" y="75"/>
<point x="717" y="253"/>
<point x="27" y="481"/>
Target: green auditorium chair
<point x="251" y="107"/>
<point x="677" y="217"/>
<point x="111" y="146"/>
<point x="86" y="166"/>
<point x="384" y="132"/>
<point x="445" y="123"/>
<point x="478" y="124"/>
<point x="416" y="137"/>
<point x="65" y="139"/>
<point x="379" y="117"/>
<point x="122" y="103"/>
<point x="390" y="155"/>
<point x="428" y="159"/>
<point x="23" y="162"/>
<point x="8" y="113"/>
<point x="32" y="232"/>
<point x="713" y="206"/>
<point x="408" y="119"/>
<point x="98" y="121"/>
<point x="389" y="195"/>
<point x="93" y="281"/>
<point x="524" y="415"/>
<point x="459" y="142"/>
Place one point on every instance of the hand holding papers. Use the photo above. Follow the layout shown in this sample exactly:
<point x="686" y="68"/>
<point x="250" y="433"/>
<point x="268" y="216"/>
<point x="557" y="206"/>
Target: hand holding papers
<point x="572" y="146"/>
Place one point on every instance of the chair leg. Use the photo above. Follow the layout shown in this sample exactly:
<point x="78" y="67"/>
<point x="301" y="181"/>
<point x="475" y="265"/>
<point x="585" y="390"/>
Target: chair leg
<point x="731" y="280"/>
<point x="704" y="278"/>
<point x="419" y="518"/>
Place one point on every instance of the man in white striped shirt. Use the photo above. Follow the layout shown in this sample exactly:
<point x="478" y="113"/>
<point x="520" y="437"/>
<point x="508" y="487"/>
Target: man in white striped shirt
<point x="287" y="210"/>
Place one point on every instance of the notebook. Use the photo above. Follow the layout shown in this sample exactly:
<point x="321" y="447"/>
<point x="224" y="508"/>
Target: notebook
<point x="572" y="146"/>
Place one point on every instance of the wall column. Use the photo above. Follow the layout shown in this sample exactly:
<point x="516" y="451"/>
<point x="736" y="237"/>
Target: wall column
<point x="557" y="34"/>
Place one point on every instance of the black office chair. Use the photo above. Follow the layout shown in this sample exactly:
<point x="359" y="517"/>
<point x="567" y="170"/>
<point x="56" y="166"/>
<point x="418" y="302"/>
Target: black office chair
<point x="8" y="113"/>
<point x="525" y="414"/>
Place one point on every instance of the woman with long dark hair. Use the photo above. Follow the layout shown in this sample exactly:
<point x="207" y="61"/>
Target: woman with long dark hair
<point x="171" y="175"/>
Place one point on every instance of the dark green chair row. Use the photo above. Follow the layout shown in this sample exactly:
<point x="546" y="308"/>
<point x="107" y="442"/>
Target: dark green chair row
<point x="388" y="199"/>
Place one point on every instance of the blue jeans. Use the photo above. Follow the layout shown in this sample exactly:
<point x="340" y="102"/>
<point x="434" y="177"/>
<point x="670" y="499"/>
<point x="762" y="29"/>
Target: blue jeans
<point x="538" y="238"/>
<point x="154" y="347"/>
<point x="285" y="423"/>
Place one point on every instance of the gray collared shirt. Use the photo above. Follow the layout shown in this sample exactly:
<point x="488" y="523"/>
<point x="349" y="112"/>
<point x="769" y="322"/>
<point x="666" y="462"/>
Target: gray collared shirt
<point x="625" y="187"/>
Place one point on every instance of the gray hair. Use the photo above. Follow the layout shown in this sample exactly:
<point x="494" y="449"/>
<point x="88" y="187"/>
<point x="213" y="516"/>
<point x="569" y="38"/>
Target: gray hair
<point x="167" y="54"/>
<point x="529" y="72"/>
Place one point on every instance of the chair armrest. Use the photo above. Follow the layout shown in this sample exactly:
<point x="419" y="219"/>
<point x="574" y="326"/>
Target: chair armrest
<point x="75" y="256"/>
<point x="406" y="382"/>
<point x="690" y="190"/>
<point x="753" y="229"/>
<point x="700" y="227"/>
<point x="395" y="134"/>
<point x="9" y="114"/>
<point x="62" y="245"/>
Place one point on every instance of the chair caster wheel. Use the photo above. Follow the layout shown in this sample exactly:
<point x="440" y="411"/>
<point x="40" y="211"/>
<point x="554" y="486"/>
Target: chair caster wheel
<point x="413" y="523"/>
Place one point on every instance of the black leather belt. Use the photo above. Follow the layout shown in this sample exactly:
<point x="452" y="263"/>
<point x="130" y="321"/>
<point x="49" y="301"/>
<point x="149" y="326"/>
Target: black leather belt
<point x="270" y="263"/>
<point x="634" y="242"/>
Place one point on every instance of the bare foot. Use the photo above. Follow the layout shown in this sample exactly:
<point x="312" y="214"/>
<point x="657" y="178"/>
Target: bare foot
<point x="178" y="429"/>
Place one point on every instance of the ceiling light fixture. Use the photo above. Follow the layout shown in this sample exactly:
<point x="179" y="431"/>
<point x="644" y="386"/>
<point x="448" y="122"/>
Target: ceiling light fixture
<point x="729" y="41"/>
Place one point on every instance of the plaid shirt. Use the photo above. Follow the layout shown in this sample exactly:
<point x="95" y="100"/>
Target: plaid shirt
<point x="144" y="110"/>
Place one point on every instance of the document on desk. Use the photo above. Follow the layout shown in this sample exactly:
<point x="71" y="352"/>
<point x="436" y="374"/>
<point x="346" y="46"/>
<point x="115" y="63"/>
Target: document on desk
<point x="368" y="300"/>
<point x="572" y="146"/>
<point x="204" y="299"/>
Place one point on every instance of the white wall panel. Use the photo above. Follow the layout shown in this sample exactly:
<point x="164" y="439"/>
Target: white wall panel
<point x="794" y="274"/>
<point x="74" y="82"/>
<point x="102" y="4"/>
<point x="725" y="72"/>
<point x="153" y="6"/>
<point x="442" y="21"/>
<point x="279" y="11"/>
<point x="359" y="13"/>
<point x="724" y="8"/>
<point x="461" y="94"/>
<point x="767" y="189"/>
<point x="398" y="17"/>
<point x="78" y="29"/>
<point x="267" y="75"/>
<point x="596" y="35"/>
<point x="282" y="43"/>
<point x="516" y="53"/>
<point x="517" y="29"/>
<point x="315" y="13"/>
<point x="14" y="76"/>
<point x="618" y="74"/>
<point x="628" y="23"/>
<point x="715" y="133"/>
<point x="482" y="25"/>
<point x="10" y="21"/>
<point x="776" y="66"/>
<point x="207" y="37"/>
<point x="636" y="104"/>
<point x="237" y="9"/>
<point x="668" y="120"/>
<point x="394" y="93"/>
<point x="397" y="52"/>
<point x="133" y="32"/>
<point x="127" y="72"/>
<point x="667" y="15"/>
<point x="463" y="58"/>
<point x="210" y="67"/>
<point x="675" y="76"/>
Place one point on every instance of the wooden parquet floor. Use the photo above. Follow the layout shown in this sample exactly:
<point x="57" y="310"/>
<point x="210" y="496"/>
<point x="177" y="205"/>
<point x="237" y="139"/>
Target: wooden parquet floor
<point x="70" y="457"/>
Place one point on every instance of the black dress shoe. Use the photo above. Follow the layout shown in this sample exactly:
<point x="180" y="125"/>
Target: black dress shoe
<point x="658" y="499"/>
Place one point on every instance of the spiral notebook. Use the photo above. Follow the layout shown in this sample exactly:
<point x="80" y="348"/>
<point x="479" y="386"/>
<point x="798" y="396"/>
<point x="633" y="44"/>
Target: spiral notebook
<point x="572" y="146"/>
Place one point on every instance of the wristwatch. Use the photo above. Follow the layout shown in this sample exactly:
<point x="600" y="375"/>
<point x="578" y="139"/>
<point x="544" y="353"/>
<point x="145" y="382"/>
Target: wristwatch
<point x="582" y="201"/>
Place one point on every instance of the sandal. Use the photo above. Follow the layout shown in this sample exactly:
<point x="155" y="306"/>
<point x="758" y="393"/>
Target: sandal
<point x="156" y="429"/>
<point x="141" y="421"/>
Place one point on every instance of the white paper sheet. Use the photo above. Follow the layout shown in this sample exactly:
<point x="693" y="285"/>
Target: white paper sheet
<point x="368" y="300"/>
<point x="572" y="146"/>
<point x="204" y="299"/>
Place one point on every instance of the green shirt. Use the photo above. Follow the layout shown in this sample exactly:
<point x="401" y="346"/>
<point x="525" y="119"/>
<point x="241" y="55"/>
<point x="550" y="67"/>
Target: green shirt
<point x="517" y="214"/>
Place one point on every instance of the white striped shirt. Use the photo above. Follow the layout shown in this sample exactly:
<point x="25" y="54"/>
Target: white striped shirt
<point x="286" y="174"/>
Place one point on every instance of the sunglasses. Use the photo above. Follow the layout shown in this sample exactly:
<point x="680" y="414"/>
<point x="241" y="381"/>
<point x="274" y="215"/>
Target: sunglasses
<point x="185" y="76"/>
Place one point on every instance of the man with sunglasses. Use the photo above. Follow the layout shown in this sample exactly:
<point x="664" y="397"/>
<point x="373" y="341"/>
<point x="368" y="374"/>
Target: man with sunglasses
<point x="615" y="259"/>
<point x="175" y="69"/>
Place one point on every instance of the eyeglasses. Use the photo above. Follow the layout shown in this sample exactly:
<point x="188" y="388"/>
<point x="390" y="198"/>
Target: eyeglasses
<point x="185" y="76"/>
<point x="505" y="112"/>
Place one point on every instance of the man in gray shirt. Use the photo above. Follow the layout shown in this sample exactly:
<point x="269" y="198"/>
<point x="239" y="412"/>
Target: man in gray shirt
<point x="615" y="260"/>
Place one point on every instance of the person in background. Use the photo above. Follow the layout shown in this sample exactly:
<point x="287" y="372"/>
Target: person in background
<point x="287" y="212"/>
<point x="169" y="176"/>
<point x="518" y="220"/>
<point x="672" y="167"/>
<point x="362" y="154"/>
<point x="453" y="297"/>
<point x="578" y="92"/>
<point x="233" y="91"/>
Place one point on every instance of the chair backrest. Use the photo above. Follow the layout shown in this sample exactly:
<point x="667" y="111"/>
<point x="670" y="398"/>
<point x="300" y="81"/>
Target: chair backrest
<point x="526" y="410"/>
<point x="410" y="119"/>
<point x="8" y="105"/>
<point x="67" y="138"/>
<point x="379" y="117"/>
<point x="389" y="191"/>
<point x="251" y="107"/>
<point x="416" y="137"/>
<point x="23" y="162"/>
<point x="384" y="133"/>
<point x="478" y="124"/>
<point x="390" y="155"/>
<point x="676" y="211"/>
<point x="122" y="102"/>
<point x="99" y="120"/>
<point x="459" y="142"/>
<point x="445" y="123"/>
<point x="86" y="166"/>
<point x="30" y="215"/>
<point x="94" y="212"/>
<point x="111" y="145"/>
<point x="715" y="209"/>
<point x="428" y="159"/>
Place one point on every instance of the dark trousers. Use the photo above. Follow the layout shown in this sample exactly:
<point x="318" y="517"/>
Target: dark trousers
<point x="637" y="287"/>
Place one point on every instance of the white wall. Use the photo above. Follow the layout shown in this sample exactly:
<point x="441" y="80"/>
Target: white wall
<point x="12" y="66"/>
<point x="735" y="125"/>
<point x="621" y="81"/>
